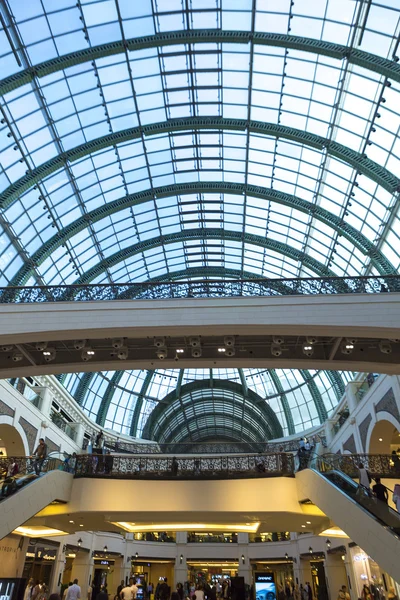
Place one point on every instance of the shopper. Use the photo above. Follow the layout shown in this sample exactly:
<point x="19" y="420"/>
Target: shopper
<point x="296" y="593"/>
<point x="126" y="593"/>
<point x="179" y="591"/>
<point x="343" y="593"/>
<point x="120" y="588"/>
<point x="39" y="456"/>
<point x="66" y="590"/>
<point x="396" y="496"/>
<point x="199" y="593"/>
<point x="74" y="592"/>
<point x="364" y="477"/>
<point x="380" y="491"/>
<point x="164" y="590"/>
<point x="35" y="593"/>
<point x="396" y="462"/>
<point x="28" y="589"/>
<point x="134" y="587"/>
<point x="366" y="593"/>
<point x="102" y="595"/>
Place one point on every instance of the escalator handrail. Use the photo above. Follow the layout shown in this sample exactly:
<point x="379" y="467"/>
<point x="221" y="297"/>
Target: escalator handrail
<point x="357" y="486"/>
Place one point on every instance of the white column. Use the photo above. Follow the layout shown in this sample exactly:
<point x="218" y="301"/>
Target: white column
<point x="328" y="431"/>
<point x="46" y="401"/>
<point x="79" y="433"/>
<point x="244" y="569"/>
<point x="180" y="569"/>
<point x="55" y="583"/>
<point x="351" y="389"/>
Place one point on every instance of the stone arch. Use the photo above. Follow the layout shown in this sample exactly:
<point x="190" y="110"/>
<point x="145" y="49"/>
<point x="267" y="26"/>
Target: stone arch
<point x="13" y="437"/>
<point x="386" y="428"/>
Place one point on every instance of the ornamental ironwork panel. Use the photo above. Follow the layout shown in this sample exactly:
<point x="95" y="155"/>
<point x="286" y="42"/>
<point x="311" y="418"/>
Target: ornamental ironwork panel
<point x="6" y="410"/>
<point x="201" y="289"/>
<point x="363" y="429"/>
<point x="182" y="467"/>
<point x="388" y="404"/>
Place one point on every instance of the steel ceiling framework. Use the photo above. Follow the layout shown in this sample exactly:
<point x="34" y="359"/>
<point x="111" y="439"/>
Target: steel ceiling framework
<point x="32" y="185"/>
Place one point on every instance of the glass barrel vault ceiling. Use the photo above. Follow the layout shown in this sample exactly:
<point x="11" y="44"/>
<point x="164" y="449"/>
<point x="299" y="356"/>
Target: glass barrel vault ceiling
<point x="197" y="138"/>
<point x="179" y="405"/>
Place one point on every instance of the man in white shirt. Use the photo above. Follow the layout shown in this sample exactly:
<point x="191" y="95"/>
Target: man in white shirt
<point x="126" y="593"/>
<point x="74" y="591"/>
<point x="134" y="587"/>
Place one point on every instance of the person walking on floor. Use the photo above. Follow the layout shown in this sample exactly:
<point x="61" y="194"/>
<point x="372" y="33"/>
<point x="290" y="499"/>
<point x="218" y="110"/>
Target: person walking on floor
<point x="74" y="591"/>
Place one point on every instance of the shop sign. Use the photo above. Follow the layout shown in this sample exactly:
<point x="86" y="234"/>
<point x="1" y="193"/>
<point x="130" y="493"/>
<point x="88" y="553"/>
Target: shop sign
<point x="100" y="561"/>
<point x="42" y="554"/>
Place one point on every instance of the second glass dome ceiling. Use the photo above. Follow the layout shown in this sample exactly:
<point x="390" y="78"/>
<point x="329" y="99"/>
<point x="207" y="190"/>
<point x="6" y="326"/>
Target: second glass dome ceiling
<point x="198" y="138"/>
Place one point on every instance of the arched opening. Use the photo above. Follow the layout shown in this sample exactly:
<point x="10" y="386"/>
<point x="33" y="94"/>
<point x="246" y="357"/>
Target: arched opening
<point x="385" y="437"/>
<point x="11" y="442"/>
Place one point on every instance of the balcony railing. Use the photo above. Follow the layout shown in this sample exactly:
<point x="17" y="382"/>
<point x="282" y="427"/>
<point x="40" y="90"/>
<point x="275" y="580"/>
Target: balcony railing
<point x="212" y="538"/>
<point x="62" y="424"/>
<point x="364" y="387"/>
<point x="30" y="392"/>
<point x="378" y="465"/>
<point x="201" y="289"/>
<point x="201" y="467"/>
<point x="275" y="536"/>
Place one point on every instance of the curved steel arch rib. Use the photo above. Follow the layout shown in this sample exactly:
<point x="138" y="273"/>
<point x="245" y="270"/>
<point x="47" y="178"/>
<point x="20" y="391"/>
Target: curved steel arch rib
<point x="364" y="165"/>
<point x="381" y="263"/>
<point x="272" y="424"/>
<point x="366" y="60"/>
<point x="205" y="234"/>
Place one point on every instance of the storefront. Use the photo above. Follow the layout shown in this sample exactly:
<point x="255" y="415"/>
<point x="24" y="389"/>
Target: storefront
<point x="40" y="559"/>
<point x="368" y="572"/>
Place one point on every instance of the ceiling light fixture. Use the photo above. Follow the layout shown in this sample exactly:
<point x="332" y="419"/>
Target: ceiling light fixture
<point x="87" y="354"/>
<point x="49" y="354"/>
<point x="180" y="350"/>
<point x="276" y="350"/>
<point x="80" y="542"/>
<point x="328" y="543"/>
<point x="308" y="350"/>
<point x="221" y="349"/>
<point x="385" y="347"/>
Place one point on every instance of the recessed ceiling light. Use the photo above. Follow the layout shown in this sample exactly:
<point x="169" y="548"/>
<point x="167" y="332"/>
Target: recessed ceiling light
<point x="303" y="525"/>
<point x="72" y="521"/>
<point x="80" y="524"/>
<point x="308" y="522"/>
<point x="380" y="439"/>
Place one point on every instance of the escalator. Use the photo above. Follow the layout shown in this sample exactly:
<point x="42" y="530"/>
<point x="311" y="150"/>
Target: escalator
<point x="370" y="523"/>
<point x="31" y="493"/>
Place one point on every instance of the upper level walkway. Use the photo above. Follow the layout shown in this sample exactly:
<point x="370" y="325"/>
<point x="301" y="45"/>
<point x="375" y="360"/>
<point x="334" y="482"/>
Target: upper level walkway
<point x="326" y="323"/>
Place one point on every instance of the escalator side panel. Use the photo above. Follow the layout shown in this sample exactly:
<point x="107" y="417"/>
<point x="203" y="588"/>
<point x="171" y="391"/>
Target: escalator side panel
<point x="25" y="503"/>
<point x="375" y="539"/>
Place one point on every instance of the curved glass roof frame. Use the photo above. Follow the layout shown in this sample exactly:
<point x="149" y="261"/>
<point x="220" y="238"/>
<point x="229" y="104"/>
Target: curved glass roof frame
<point x="119" y="399"/>
<point x="53" y="114"/>
<point x="223" y="143"/>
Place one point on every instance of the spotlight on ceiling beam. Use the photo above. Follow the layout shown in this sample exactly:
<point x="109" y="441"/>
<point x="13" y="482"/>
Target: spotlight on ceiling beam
<point x="122" y="353"/>
<point x="159" y="342"/>
<point x="7" y="348"/>
<point x="221" y="349"/>
<point x="308" y="350"/>
<point x="180" y="350"/>
<point x="276" y="350"/>
<point x="17" y="356"/>
<point x="278" y="339"/>
<point x="346" y="348"/>
<point x="117" y="343"/>
<point x="385" y="347"/>
<point x="87" y="354"/>
<point x="195" y="342"/>
<point x="79" y="344"/>
<point x="229" y="340"/>
<point x="49" y="354"/>
<point x="162" y="353"/>
<point x="311" y="339"/>
<point x="40" y="346"/>
<point x="196" y="352"/>
<point x="230" y="352"/>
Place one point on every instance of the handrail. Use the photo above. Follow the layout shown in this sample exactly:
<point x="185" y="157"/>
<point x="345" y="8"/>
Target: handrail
<point x="358" y="493"/>
<point x="184" y="467"/>
<point x="26" y="471"/>
<point x="203" y="288"/>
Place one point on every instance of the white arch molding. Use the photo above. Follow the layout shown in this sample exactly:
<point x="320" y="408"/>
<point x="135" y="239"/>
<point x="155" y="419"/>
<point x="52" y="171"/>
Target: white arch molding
<point x="12" y="434"/>
<point x="371" y="446"/>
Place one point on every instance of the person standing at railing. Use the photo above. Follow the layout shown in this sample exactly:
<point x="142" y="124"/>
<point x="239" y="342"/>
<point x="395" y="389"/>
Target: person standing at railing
<point x="40" y="455"/>
<point x="396" y="496"/>
<point x="396" y="462"/>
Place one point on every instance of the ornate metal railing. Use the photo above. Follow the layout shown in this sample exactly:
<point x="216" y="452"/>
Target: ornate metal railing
<point x="378" y="465"/>
<point x="201" y="289"/>
<point x="207" y="447"/>
<point x="201" y="467"/>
